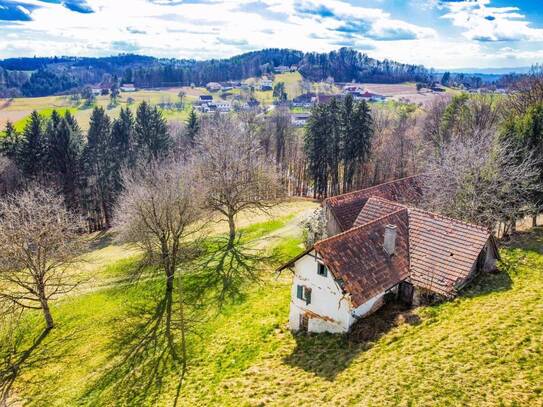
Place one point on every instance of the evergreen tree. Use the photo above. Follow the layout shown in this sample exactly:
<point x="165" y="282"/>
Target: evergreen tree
<point x="279" y="92"/>
<point x="337" y="142"/>
<point x="151" y="132"/>
<point x="31" y="154"/>
<point x="123" y="148"/>
<point x="315" y="147"/>
<point x="10" y="142"/>
<point x="65" y="145"/>
<point x="334" y="144"/>
<point x="97" y="166"/>
<point x="358" y="133"/>
<point x="193" y="125"/>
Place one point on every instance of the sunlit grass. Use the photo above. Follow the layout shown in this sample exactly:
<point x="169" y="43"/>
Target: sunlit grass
<point x="484" y="348"/>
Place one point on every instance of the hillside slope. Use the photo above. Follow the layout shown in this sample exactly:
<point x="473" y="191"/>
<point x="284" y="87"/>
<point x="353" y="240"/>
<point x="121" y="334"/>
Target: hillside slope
<point x="483" y="349"/>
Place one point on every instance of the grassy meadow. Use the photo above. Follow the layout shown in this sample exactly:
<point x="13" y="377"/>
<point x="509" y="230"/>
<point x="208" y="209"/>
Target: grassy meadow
<point x="110" y="346"/>
<point x="18" y="110"/>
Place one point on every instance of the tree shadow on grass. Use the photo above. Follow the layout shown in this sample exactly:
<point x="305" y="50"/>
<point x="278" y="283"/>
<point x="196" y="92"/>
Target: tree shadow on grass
<point x="14" y="361"/>
<point x="221" y="272"/>
<point x="100" y="241"/>
<point x="16" y="357"/>
<point x="327" y="355"/>
<point x="488" y="283"/>
<point x="145" y="354"/>
<point x="529" y="240"/>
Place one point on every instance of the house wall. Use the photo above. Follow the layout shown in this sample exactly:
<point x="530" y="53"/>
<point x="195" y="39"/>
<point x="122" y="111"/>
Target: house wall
<point x="368" y="307"/>
<point x="329" y="310"/>
<point x="332" y="227"/>
<point x="491" y="258"/>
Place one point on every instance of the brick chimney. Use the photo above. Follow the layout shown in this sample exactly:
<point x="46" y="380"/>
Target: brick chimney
<point x="389" y="241"/>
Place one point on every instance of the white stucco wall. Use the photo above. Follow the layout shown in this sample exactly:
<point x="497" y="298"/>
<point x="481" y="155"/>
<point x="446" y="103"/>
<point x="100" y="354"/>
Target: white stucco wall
<point x="329" y="310"/>
<point x="366" y="307"/>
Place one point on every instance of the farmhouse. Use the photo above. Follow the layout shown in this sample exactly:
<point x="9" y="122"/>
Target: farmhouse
<point x="204" y="99"/>
<point x="265" y="84"/>
<point x="214" y="86"/>
<point x="383" y="249"/>
<point x="281" y="69"/>
<point x="128" y="87"/>
<point x="299" y="119"/>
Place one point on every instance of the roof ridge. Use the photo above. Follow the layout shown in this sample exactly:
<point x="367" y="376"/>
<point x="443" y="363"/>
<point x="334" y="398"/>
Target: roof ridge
<point x="378" y="198"/>
<point x="328" y="239"/>
<point x="341" y="196"/>
<point x="482" y="228"/>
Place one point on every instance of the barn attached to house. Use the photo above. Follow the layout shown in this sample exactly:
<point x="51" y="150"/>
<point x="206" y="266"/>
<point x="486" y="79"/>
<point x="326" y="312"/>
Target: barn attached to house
<point x="386" y="248"/>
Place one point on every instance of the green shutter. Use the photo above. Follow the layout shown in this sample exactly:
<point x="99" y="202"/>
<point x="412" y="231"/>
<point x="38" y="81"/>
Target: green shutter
<point x="300" y="293"/>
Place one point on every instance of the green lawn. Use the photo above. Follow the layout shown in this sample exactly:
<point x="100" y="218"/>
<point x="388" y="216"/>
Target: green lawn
<point x="110" y="345"/>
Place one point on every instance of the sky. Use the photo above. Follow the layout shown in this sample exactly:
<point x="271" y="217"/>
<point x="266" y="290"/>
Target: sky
<point x="436" y="33"/>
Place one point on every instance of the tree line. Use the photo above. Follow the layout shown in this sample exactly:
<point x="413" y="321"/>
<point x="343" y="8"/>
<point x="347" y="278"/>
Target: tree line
<point x="87" y="170"/>
<point x="337" y="143"/>
<point x="57" y="75"/>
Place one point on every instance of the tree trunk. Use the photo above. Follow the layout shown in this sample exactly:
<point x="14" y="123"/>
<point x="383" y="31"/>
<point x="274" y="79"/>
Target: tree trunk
<point x="106" y="214"/>
<point x="534" y="221"/>
<point x="232" y="231"/>
<point x="49" y="323"/>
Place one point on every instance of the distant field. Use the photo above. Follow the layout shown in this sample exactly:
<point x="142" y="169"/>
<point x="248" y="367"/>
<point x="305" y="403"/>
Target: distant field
<point x="405" y="92"/>
<point x="17" y="110"/>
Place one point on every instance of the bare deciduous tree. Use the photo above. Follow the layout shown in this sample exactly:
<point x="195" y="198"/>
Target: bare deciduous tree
<point x="39" y="239"/>
<point x="527" y="91"/>
<point x="481" y="181"/>
<point x="238" y="176"/>
<point x="158" y="210"/>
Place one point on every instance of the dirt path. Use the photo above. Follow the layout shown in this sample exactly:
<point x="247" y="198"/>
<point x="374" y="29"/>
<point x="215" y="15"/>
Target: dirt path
<point x="291" y="229"/>
<point x="106" y="253"/>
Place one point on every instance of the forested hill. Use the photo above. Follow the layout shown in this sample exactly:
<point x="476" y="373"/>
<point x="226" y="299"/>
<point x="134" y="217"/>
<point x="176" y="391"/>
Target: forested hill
<point x="45" y="76"/>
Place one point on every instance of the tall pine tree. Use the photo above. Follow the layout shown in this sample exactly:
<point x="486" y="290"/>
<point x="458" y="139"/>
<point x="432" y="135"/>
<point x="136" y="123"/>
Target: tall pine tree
<point x="123" y="147"/>
<point x="64" y="148"/>
<point x="31" y="153"/>
<point x="98" y="168"/>
<point x="193" y="126"/>
<point x="151" y="133"/>
<point x="9" y="144"/>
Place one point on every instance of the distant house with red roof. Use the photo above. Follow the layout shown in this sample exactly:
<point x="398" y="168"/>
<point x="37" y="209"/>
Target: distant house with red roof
<point x="380" y="246"/>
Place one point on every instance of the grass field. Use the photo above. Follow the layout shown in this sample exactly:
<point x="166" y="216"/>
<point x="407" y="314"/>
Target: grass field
<point x="17" y="110"/>
<point x="482" y="349"/>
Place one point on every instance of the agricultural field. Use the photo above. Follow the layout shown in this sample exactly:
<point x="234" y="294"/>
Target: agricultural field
<point x="18" y="109"/>
<point x="484" y="348"/>
<point x="406" y="92"/>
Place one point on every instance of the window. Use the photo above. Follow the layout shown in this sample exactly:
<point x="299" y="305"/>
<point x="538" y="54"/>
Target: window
<point x="307" y="295"/>
<point x="322" y="270"/>
<point x="300" y="292"/>
<point x="303" y="293"/>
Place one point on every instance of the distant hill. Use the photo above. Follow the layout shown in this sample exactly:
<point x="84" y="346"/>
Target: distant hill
<point x="51" y="75"/>
<point x="490" y="71"/>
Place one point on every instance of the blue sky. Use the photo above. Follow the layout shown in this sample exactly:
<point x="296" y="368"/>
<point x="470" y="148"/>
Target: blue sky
<point x="436" y="33"/>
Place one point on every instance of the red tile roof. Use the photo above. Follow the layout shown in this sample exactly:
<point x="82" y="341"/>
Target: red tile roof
<point x="376" y="208"/>
<point x="346" y="207"/>
<point x="442" y="250"/>
<point x="435" y="252"/>
<point x="357" y="257"/>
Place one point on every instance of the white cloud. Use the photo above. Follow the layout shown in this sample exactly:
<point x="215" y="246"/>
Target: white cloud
<point x="172" y="28"/>
<point x="487" y="24"/>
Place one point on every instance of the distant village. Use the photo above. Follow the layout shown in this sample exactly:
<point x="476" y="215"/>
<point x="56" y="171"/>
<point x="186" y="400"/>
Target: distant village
<point x="227" y="96"/>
